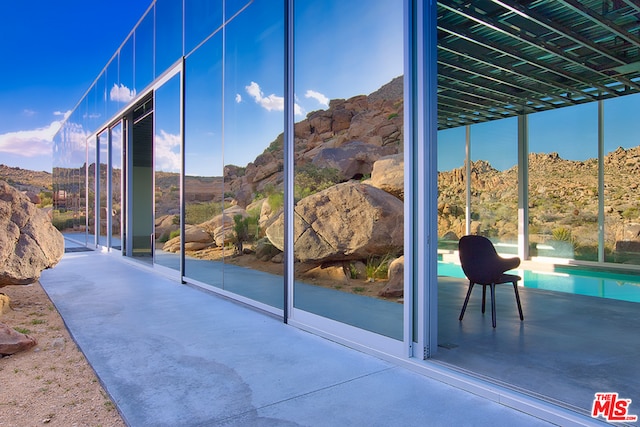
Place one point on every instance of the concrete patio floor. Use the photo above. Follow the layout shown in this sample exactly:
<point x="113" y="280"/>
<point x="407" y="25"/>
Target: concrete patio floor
<point x="170" y="354"/>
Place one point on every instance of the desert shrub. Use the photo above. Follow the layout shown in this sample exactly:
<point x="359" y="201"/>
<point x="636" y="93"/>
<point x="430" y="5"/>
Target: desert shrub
<point x="630" y="213"/>
<point x="310" y="179"/>
<point x="276" y="201"/>
<point x="562" y="234"/>
<point x="46" y="199"/>
<point x="377" y="267"/>
<point x="173" y="234"/>
<point x="197" y="213"/>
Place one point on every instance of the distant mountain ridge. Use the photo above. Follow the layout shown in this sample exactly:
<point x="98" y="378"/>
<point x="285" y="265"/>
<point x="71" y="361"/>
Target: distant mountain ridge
<point x="25" y="179"/>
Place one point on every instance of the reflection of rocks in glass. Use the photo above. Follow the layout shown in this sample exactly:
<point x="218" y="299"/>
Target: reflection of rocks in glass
<point x="346" y="221"/>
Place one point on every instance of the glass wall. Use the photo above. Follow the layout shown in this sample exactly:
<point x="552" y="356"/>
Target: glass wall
<point x="494" y="182"/>
<point x="103" y="187"/>
<point x="117" y="185"/>
<point x="349" y="188"/>
<point x="621" y="181"/>
<point x="167" y="166"/>
<point x="253" y="151"/>
<point x="203" y="186"/>
<point x="563" y="183"/>
<point x="452" y="192"/>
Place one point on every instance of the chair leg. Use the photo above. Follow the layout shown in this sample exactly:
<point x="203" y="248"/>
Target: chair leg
<point x="493" y="304"/>
<point x="466" y="301"/>
<point x="515" y="288"/>
<point x="484" y="296"/>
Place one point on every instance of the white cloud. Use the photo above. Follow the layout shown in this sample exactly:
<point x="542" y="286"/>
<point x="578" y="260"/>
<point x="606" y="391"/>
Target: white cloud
<point x="29" y="143"/>
<point x="65" y="114"/>
<point x="271" y="102"/>
<point x="29" y="113"/>
<point x="323" y="100"/>
<point x="168" y="151"/>
<point x="238" y="98"/>
<point x="121" y="93"/>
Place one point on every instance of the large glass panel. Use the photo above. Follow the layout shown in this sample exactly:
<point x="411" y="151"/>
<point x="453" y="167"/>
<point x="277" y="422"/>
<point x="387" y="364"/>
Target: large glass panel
<point x="102" y="188"/>
<point x="113" y="89"/>
<point x="142" y="227"/>
<point x="117" y="186"/>
<point x="167" y="170"/>
<point x="349" y="187"/>
<point x="100" y="112"/>
<point x="451" y="187"/>
<point x="494" y="183"/>
<point x="622" y="180"/>
<point x="202" y="18"/>
<point x="143" y="52"/>
<point x="168" y="33"/>
<point x="253" y="152"/>
<point x="126" y="88"/>
<point x="563" y="183"/>
<point x="204" y="189"/>
<point x="91" y="190"/>
<point x="70" y="153"/>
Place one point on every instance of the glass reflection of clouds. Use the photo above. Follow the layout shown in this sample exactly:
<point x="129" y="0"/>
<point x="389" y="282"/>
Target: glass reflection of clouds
<point x="121" y="93"/>
<point x="167" y="151"/>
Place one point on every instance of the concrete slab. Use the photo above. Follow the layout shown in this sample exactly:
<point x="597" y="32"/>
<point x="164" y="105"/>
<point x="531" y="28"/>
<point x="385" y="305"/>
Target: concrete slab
<point x="170" y="355"/>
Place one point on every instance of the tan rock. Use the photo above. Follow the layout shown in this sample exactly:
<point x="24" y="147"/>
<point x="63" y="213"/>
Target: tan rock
<point x="395" y="285"/>
<point x="388" y="175"/>
<point x="347" y="221"/>
<point x="5" y="304"/>
<point x="29" y="243"/>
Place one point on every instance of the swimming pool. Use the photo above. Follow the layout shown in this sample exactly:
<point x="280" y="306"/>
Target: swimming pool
<point x="604" y="284"/>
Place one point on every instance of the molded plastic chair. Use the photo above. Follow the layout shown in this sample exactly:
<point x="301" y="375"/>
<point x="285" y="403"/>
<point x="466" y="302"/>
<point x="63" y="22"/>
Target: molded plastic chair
<point x="483" y="266"/>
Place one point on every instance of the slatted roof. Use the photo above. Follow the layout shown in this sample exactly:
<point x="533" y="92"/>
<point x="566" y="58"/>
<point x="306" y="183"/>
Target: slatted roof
<point x="502" y="58"/>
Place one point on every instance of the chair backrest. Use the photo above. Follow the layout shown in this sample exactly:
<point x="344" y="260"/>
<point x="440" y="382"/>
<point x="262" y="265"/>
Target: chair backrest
<point x="480" y="261"/>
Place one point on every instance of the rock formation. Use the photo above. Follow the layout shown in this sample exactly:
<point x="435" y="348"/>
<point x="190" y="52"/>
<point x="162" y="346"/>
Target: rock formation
<point x="346" y="221"/>
<point x="29" y="243"/>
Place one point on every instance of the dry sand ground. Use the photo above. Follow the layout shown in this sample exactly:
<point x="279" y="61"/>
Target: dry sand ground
<point x="52" y="383"/>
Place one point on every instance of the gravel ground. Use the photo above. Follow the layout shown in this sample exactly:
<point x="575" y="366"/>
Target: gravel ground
<point x="51" y="383"/>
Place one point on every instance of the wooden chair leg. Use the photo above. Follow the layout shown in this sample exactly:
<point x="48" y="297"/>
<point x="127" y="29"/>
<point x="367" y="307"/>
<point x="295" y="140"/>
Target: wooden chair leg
<point x="515" y="288"/>
<point x="466" y="301"/>
<point x="493" y="304"/>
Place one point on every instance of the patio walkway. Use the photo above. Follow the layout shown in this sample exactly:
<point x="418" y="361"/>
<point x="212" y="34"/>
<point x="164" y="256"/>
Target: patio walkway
<point x="172" y="355"/>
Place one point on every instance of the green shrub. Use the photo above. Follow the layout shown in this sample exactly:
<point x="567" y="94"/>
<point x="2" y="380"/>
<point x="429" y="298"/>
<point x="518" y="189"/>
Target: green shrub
<point x="276" y="201"/>
<point x="562" y="234"/>
<point x="310" y="179"/>
<point x="377" y="267"/>
<point x="197" y="213"/>
<point x="173" y="234"/>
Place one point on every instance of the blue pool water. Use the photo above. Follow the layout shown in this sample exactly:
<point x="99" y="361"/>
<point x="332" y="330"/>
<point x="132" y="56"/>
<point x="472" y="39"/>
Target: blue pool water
<point x="624" y="287"/>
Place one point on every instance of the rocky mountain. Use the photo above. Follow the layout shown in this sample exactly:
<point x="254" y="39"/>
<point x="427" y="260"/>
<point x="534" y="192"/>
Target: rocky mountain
<point x="563" y="199"/>
<point x="26" y="180"/>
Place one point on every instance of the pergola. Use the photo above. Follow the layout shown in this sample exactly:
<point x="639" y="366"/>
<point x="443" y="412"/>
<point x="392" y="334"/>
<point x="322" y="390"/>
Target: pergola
<point x="502" y="58"/>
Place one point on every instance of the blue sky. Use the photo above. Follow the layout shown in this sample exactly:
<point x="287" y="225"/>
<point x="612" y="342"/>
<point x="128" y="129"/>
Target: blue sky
<point x="51" y="52"/>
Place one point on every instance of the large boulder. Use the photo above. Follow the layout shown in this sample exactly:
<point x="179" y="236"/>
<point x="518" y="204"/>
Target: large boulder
<point x="196" y="239"/>
<point x="346" y="221"/>
<point x="353" y="160"/>
<point x="388" y="175"/>
<point x="12" y="341"/>
<point x="29" y="243"/>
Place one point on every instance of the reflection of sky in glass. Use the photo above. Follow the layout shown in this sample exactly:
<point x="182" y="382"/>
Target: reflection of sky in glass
<point x="116" y="144"/>
<point x="167" y="125"/>
<point x="572" y="132"/>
